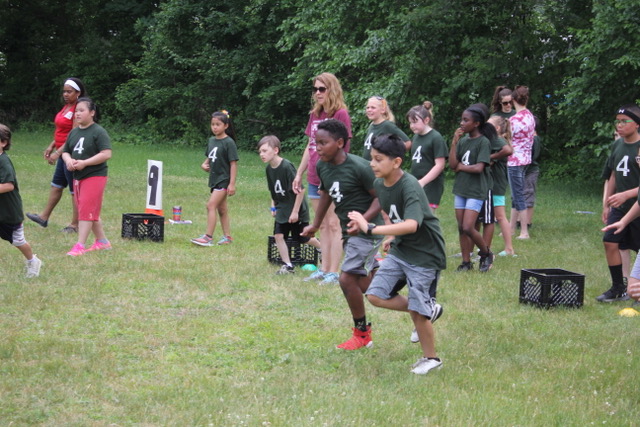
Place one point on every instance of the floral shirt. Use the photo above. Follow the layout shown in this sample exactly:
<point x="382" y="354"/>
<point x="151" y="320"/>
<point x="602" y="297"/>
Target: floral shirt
<point x="523" y="127"/>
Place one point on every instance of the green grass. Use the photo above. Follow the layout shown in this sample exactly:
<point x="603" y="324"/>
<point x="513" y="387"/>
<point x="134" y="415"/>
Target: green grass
<point x="173" y="334"/>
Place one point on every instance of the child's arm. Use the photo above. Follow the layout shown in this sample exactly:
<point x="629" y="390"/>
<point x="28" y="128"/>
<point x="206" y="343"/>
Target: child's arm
<point x="453" y="159"/>
<point x="609" y="188"/>
<point x="205" y="165"/>
<point x="505" y="151"/>
<point x="295" y="212"/>
<point x="373" y="210"/>
<point x="99" y="158"/>
<point x="323" y="206"/>
<point x="6" y="187"/>
<point x="617" y="199"/>
<point x="304" y="163"/>
<point x="633" y="213"/>
<point x="435" y="172"/>
<point x="405" y="227"/>
<point x="233" y="172"/>
<point x="476" y="168"/>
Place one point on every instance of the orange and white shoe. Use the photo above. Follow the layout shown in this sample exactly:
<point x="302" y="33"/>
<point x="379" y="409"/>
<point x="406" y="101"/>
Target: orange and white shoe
<point x="358" y="340"/>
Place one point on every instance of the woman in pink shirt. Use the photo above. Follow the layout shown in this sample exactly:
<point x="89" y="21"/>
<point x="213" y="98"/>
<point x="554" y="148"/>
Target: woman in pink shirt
<point x="523" y="128"/>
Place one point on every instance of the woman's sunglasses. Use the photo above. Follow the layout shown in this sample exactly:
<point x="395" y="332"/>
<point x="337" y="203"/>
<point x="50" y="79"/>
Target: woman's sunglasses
<point x="320" y="89"/>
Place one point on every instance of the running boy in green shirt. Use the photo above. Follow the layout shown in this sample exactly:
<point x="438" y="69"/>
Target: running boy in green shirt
<point x="417" y="252"/>
<point x="347" y="181"/>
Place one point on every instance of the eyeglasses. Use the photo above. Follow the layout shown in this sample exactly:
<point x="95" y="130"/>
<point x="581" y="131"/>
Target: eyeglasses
<point x="622" y="122"/>
<point x="505" y="103"/>
<point x="320" y="89"/>
<point x="638" y="159"/>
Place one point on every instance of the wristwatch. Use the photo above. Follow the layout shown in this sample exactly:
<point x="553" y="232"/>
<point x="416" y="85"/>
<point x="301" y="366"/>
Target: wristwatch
<point x="370" y="228"/>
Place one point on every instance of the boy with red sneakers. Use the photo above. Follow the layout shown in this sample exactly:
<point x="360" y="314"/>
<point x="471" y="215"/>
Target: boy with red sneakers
<point x="417" y="252"/>
<point x="347" y="181"/>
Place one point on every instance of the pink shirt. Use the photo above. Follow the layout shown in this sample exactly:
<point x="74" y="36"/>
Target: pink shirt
<point x="312" y="127"/>
<point x="523" y="127"/>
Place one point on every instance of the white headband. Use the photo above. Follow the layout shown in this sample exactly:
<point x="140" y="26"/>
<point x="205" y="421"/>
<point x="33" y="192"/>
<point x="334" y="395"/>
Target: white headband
<point x="73" y="85"/>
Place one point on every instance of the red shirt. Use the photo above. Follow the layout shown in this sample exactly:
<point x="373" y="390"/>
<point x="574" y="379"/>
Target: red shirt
<point x="64" y="124"/>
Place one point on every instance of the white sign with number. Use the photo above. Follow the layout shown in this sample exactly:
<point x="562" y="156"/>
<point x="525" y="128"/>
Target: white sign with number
<point x="154" y="185"/>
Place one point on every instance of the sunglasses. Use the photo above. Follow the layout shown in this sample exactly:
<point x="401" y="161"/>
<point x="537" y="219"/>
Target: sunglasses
<point x="622" y="122"/>
<point x="320" y="89"/>
<point x="505" y="103"/>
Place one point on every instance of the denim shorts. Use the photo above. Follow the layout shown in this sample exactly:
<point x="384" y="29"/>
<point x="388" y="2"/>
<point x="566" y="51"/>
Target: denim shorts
<point x="62" y="177"/>
<point x="313" y="191"/>
<point x="516" y="181"/>
<point x="468" y="204"/>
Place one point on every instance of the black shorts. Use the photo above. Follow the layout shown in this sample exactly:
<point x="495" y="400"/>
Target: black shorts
<point x="629" y="238"/>
<point x="486" y="214"/>
<point x="291" y="229"/>
<point x="7" y="231"/>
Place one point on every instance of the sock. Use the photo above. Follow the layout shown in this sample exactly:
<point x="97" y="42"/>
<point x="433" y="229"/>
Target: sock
<point x="103" y="241"/>
<point x="209" y="236"/>
<point x="616" y="276"/>
<point x="434" y="358"/>
<point x="361" y="324"/>
<point x="289" y="265"/>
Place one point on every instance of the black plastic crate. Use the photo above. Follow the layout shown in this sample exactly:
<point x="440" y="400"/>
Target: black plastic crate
<point x="300" y="253"/>
<point x="550" y="287"/>
<point x="143" y="226"/>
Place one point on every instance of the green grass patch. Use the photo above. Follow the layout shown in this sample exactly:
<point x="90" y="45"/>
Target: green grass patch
<point x="174" y="334"/>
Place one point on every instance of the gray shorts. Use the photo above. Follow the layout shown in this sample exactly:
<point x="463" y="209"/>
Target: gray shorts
<point x="360" y="255"/>
<point x="420" y="280"/>
<point x="530" y="184"/>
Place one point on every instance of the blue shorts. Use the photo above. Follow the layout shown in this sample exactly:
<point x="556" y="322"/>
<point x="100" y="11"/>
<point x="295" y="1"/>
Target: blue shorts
<point x="62" y="177"/>
<point x="516" y="181"/>
<point x="393" y="270"/>
<point x="468" y="204"/>
<point x="313" y="191"/>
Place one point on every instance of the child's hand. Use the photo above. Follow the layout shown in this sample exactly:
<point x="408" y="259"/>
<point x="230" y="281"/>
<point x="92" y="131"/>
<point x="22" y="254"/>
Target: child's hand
<point x="79" y="165"/>
<point x="205" y="166"/>
<point x="634" y="290"/>
<point x="605" y="214"/>
<point x="457" y="135"/>
<point x="293" y="218"/>
<point x="616" y="200"/>
<point x="357" y="220"/>
<point x="386" y="245"/>
<point x="231" y="190"/>
<point x="616" y="226"/>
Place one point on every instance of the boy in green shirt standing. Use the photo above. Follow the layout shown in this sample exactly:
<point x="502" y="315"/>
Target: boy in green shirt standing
<point x="417" y="252"/>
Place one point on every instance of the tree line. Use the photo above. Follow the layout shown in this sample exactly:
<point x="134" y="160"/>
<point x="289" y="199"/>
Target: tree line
<point x="160" y="68"/>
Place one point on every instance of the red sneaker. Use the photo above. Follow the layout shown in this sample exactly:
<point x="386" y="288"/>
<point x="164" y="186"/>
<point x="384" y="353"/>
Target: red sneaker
<point x="358" y="340"/>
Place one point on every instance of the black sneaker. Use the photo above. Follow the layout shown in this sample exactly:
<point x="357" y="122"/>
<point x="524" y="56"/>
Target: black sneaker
<point x="465" y="266"/>
<point x="486" y="262"/>
<point x="36" y="218"/>
<point x="613" y="295"/>
<point x="285" y="269"/>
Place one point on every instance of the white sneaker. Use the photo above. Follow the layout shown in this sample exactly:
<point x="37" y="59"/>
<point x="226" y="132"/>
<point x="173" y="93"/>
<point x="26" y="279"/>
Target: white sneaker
<point x="424" y="365"/>
<point x="33" y="267"/>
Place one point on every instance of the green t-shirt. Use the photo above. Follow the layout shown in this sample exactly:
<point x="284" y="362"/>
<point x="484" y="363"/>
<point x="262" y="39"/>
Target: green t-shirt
<point x="622" y="162"/>
<point x="499" y="169"/>
<point x="348" y="184"/>
<point x="279" y="181"/>
<point x="221" y="152"/>
<point x="386" y="127"/>
<point x="425" y="149"/>
<point x="82" y="144"/>
<point x="406" y="200"/>
<point x="10" y="202"/>
<point x="471" y="151"/>
<point x="505" y="115"/>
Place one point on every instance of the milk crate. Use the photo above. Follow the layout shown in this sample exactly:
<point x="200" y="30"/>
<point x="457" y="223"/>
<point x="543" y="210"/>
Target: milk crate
<point x="300" y="253"/>
<point x="550" y="287"/>
<point x="143" y="226"/>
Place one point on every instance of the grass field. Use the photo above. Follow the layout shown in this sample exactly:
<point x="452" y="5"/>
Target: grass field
<point x="174" y="334"/>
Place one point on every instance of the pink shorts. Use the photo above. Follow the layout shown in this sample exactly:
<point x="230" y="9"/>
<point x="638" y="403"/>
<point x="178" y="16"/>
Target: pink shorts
<point x="88" y="194"/>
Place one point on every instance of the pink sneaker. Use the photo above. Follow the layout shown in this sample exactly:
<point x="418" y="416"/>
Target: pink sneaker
<point x="98" y="246"/>
<point x="77" y="250"/>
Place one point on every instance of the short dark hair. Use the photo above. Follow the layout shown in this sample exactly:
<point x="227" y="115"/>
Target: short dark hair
<point x="390" y="145"/>
<point x="335" y="128"/>
<point x="271" y="140"/>
<point x="5" y="135"/>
